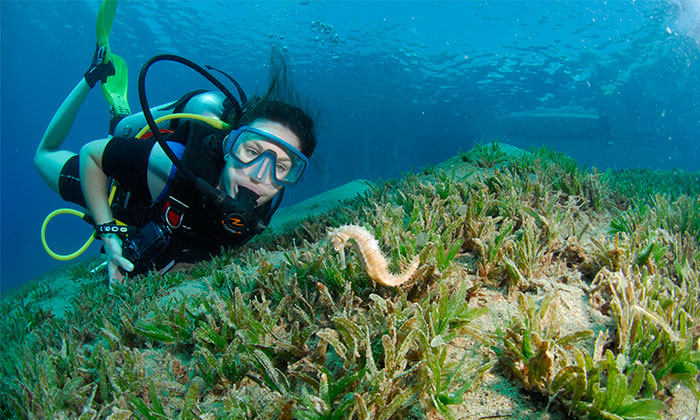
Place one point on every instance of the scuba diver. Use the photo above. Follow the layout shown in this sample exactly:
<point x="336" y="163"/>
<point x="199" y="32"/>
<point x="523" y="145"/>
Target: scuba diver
<point x="207" y="177"/>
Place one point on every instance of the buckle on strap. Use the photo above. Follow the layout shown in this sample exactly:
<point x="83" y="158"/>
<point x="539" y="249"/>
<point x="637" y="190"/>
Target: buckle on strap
<point x="174" y="212"/>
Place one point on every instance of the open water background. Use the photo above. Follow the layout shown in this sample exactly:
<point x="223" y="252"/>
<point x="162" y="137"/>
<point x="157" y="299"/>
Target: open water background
<point x="398" y="85"/>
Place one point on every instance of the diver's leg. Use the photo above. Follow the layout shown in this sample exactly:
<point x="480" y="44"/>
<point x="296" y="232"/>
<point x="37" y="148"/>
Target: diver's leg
<point x="49" y="157"/>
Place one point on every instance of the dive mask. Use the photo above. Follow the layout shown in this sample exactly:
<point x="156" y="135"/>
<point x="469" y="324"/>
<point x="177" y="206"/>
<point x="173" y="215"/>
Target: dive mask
<point x="251" y="148"/>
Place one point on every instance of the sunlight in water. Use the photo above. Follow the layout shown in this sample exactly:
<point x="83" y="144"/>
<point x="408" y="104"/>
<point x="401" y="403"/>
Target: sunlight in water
<point x="687" y="22"/>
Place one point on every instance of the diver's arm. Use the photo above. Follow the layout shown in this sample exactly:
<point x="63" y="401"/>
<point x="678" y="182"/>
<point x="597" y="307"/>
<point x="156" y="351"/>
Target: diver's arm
<point x="94" y="183"/>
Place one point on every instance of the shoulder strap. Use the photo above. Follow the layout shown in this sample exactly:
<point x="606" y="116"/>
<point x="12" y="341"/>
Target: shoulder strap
<point x="178" y="105"/>
<point x="203" y="151"/>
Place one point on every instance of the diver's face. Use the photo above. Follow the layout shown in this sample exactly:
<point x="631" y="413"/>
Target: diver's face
<point x="234" y="176"/>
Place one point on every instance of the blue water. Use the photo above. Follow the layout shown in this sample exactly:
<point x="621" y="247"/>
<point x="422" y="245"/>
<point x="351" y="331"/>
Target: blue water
<point x="397" y="85"/>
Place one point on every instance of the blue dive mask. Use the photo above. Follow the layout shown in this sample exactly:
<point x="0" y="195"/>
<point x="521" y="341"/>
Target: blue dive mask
<point x="254" y="149"/>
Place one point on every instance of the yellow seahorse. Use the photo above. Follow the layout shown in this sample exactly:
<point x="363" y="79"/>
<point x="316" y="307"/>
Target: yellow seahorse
<point x="372" y="259"/>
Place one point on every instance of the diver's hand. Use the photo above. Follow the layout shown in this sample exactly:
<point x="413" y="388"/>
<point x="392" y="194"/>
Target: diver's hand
<point x="115" y="260"/>
<point x="99" y="70"/>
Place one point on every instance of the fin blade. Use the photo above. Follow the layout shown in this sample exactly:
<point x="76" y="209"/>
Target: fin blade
<point x="105" y="17"/>
<point x="115" y="88"/>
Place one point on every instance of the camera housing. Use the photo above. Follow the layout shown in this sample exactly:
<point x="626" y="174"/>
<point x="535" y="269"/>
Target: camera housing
<point x="143" y="247"/>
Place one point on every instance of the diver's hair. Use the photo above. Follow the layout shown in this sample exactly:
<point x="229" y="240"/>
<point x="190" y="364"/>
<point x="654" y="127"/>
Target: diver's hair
<point x="281" y="104"/>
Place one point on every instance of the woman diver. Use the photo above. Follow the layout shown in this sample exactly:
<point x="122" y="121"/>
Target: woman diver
<point x="190" y="189"/>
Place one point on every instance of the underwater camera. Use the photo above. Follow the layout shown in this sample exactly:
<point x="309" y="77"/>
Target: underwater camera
<point x="143" y="247"/>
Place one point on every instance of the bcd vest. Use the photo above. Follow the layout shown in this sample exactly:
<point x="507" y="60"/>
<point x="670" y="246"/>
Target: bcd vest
<point x="196" y="234"/>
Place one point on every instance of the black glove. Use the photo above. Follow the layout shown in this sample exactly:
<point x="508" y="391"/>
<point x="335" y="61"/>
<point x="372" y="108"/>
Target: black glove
<point x="99" y="70"/>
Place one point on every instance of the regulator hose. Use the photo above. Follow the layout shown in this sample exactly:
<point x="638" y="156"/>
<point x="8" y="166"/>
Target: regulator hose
<point x="218" y="198"/>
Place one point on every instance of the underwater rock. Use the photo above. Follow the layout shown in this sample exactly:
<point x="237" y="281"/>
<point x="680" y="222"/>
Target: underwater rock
<point x="571" y="122"/>
<point x="317" y="205"/>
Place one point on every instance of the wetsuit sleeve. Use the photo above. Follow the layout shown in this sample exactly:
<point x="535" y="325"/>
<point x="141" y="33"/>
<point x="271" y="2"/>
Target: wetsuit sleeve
<point x="126" y="160"/>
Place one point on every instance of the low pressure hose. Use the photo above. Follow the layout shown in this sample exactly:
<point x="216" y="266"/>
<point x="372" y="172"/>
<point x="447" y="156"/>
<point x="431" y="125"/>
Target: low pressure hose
<point x="216" y="123"/>
<point x="63" y="257"/>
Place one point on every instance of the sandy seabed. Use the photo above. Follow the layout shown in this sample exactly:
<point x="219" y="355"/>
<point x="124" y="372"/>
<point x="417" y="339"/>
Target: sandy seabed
<point x="563" y="279"/>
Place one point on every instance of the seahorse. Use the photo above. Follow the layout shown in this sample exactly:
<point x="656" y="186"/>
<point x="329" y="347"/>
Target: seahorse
<point x="372" y="259"/>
